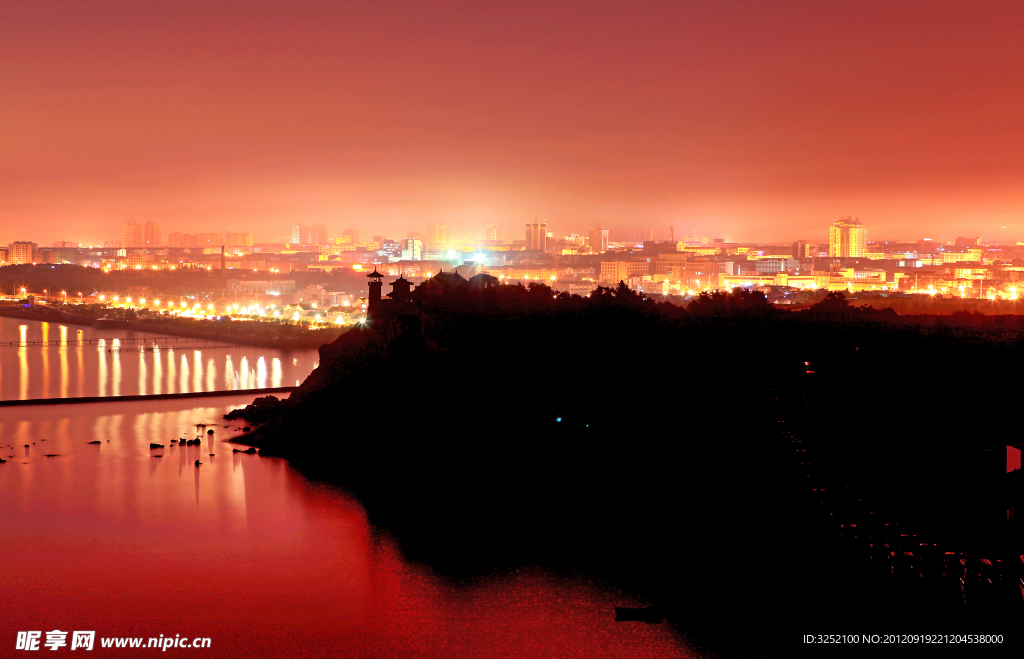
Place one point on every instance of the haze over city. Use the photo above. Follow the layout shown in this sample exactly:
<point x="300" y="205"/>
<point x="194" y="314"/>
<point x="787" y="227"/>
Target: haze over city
<point x="750" y="122"/>
<point x="607" y="329"/>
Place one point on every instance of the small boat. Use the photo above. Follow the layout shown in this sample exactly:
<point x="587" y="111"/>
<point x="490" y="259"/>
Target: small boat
<point x="111" y="323"/>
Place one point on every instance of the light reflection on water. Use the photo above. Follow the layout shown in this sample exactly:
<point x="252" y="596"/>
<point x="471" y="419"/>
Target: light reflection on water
<point x="244" y="550"/>
<point x="115" y="367"/>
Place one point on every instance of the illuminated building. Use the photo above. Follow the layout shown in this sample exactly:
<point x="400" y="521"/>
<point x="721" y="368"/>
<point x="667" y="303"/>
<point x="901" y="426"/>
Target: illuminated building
<point x="615" y="271"/>
<point x="537" y="237"/>
<point x="22" y="251"/>
<point x="962" y="255"/>
<point x="847" y="238"/>
<point x="131" y="234"/>
<point x="352" y="235"/>
<point x="412" y="249"/>
<point x="261" y="287"/>
<point x="773" y="265"/>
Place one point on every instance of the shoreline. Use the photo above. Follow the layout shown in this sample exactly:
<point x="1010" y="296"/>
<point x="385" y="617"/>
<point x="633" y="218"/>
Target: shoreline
<point x="142" y="397"/>
<point x="171" y="329"/>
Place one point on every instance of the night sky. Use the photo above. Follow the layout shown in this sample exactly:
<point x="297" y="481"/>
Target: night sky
<point x="741" y="120"/>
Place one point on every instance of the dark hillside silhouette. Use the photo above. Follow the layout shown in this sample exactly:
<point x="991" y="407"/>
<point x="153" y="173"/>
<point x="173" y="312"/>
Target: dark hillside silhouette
<point x="645" y="445"/>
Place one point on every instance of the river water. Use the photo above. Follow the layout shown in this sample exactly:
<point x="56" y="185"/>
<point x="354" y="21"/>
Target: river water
<point x="83" y="361"/>
<point x="243" y="550"/>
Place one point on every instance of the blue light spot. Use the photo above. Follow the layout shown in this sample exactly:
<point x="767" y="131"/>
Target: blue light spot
<point x="558" y="419"/>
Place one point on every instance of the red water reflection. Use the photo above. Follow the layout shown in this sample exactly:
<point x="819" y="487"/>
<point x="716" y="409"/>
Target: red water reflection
<point x="245" y="551"/>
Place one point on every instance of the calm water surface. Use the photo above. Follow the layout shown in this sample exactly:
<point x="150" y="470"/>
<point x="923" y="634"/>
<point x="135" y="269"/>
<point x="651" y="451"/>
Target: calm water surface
<point x="244" y="550"/>
<point x="117" y="363"/>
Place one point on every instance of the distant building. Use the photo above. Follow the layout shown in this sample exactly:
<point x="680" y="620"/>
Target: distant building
<point x="309" y="234"/>
<point x="151" y="234"/>
<point x="238" y="239"/>
<point x="412" y="249"/>
<point x="847" y="238"/>
<point x="492" y="232"/>
<point x="537" y="237"/>
<point x="800" y="250"/>
<point x="55" y="255"/>
<point x="436" y="234"/>
<point x="131" y="234"/>
<point x="352" y="235"/>
<point x="598" y="240"/>
<point x="22" y="251"/>
<point x="616" y="271"/>
<point x="261" y="286"/>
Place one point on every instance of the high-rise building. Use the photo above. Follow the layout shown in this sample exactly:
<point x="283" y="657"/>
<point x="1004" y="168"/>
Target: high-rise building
<point x="22" y="251"/>
<point x="800" y="249"/>
<point x="436" y="234"/>
<point x="598" y="240"/>
<point x="847" y="237"/>
<point x="131" y="234"/>
<point x="412" y="249"/>
<point x="537" y="237"/>
<point x="151" y="234"/>
<point x="238" y="239"/>
<point x="352" y="235"/>
<point x="492" y="232"/>
<point x="309" y="234"/>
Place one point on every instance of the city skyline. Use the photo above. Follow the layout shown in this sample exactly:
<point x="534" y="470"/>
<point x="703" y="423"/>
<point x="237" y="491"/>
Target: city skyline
<point x="759" y="122"/>
<point x="134" y="234"/>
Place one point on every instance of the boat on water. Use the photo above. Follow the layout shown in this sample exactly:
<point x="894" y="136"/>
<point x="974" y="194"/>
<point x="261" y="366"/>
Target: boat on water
<point x="77" y="319"/>
<point x="111" y="323"/>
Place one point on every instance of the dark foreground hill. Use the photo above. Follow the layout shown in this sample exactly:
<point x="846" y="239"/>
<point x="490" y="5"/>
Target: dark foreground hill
<point x="646" y="446"/>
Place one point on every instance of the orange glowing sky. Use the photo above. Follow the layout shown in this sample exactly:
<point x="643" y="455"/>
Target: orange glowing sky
<point x="742" y="120"/>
